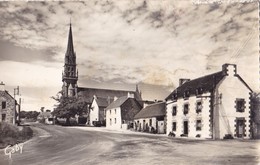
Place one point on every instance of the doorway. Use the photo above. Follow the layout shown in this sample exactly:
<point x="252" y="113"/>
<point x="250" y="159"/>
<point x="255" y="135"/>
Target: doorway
<point x="240" y="128"/>
<point x="185" y="127"/>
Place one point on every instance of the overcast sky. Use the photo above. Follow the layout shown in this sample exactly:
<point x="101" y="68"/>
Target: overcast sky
<point x="122" y="43"/>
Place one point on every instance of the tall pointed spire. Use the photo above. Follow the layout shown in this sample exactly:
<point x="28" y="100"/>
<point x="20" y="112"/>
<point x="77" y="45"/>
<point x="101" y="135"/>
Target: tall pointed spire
<point x="70" y="73"/>
<point x="70" y="48"/>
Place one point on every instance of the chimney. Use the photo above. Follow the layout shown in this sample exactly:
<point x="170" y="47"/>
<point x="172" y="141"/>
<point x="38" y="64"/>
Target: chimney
<point x="182" y="81"/>
<point x="130" y="95"/>
<point x="95" y="97"/>
<point x="2" y="86"/>
<point x="108" y="100"/>
<point x="229" y="69"/>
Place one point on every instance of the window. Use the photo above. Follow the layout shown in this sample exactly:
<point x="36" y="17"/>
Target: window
<point x="240" y="105"/>
<point x="110" y="121"/>
<point x="186" y="94"/>
<point x="198" y="107"/>
<point x="110" y="112"/>
<point x="198" y="125"/>
<point x="174" y="110"/>
<point x="174" y="124"/>
<point x="199" y="91"/>
<point x="115" y="120"/>
<point x="3" y="104"/>
<point x="174" y="96"/>
<point x="115" y="111"/>
<point x="186" y="109"/>
<point x="3" y="117"/>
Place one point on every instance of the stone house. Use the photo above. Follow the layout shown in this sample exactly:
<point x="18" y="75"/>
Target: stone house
<point x="120" y="113"/>
<point x="151" y="118"/>
<point x="214" y="106"/>
<point x="255" y="113"/>
<point x="8" y="105"/>
<point x="45" y="117"/>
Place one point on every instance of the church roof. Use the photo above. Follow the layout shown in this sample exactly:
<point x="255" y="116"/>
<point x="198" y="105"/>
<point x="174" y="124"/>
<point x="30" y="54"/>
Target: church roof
<point x="88" y="93"/>
<point x="104" y="102"/>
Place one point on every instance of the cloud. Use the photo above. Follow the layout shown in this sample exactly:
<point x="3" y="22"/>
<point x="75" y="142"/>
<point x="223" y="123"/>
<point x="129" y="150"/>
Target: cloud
<point x="155" y="42"/>
<point x="31" y="75"/>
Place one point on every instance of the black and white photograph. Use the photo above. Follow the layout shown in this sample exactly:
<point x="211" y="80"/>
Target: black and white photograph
<point x="134" y="82"/>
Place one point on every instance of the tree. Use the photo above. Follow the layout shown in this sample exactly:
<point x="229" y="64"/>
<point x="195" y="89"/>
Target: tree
<point x="70" y="107"/>
<point x="29" y="114"/>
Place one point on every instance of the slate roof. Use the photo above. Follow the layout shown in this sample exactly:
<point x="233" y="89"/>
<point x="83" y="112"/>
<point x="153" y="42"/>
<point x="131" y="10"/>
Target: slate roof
<point x="2" y="93"/>
<point x="206" y="84"/>
<point x="153" y="110"/>
<point x="88" y="93"/>
<point x="117" y="103"/>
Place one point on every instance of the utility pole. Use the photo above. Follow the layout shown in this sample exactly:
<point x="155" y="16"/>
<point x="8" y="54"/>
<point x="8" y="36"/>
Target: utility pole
<point x="17" y="92"/>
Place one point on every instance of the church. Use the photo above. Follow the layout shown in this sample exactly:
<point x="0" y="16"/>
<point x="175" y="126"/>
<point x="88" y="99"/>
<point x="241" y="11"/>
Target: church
<point x="70" y="79"/>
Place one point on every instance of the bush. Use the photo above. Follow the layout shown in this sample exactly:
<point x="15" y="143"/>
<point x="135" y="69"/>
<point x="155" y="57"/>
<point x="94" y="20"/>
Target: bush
<point x="228" y="136"/>
<point x="11" y="134"/>
<point x="198" y="136"/>
<point x="8" y="130"/>
<point x="172" y="134"/>
<point x="184" y="135"/>
<point x="99" y="123"/>
<point x="82" y="120"/>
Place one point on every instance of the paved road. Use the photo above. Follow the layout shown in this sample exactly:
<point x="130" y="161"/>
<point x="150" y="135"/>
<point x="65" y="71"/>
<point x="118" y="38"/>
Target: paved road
<point x="56" y="145"/>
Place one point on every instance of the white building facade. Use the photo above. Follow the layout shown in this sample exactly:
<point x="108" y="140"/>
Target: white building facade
<point x="215" y="106"/>
<point x="93" y="112"/>
<point x="120" y="113"/>
<point x="114" y="120"/>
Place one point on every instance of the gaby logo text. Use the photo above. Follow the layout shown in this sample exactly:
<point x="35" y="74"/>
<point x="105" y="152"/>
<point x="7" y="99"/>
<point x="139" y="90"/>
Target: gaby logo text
<point x="9" y="150"/>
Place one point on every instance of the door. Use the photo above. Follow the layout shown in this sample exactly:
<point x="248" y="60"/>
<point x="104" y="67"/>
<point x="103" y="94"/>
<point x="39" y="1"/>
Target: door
<point x="161" y="127"/>
<point x="185" y="128"/>
<point x="240" y="128"/>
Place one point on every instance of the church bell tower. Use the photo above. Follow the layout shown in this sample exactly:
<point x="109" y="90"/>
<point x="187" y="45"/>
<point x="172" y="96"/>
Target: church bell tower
<point x="70" y="72"/>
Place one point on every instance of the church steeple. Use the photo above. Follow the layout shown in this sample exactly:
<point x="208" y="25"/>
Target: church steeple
<point x="70" y="48"/>
<point x="70" y="73"/>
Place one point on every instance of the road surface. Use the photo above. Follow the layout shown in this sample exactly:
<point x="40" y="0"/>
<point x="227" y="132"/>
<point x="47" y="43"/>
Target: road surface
<point x="57" y="145"/>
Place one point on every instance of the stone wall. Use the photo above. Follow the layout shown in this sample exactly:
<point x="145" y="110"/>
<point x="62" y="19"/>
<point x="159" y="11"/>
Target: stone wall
<point x="9" y="110"/>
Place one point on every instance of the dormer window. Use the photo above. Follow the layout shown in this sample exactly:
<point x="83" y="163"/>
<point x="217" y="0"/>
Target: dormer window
<point x="186" y="94"/>
<point x="174" y="96"/>
<point x="199" y="91"/>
